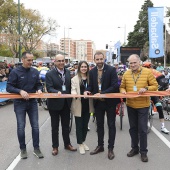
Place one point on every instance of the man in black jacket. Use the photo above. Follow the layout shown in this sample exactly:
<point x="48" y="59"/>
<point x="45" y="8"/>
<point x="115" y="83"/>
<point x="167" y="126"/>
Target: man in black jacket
<point x="103" y="79"/>
<point x="58" y="81"/>
<point x="24" y="80"/>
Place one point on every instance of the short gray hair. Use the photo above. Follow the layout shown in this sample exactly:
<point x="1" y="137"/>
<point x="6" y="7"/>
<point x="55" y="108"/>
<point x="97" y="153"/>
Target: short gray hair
<point x="134" y="55"/>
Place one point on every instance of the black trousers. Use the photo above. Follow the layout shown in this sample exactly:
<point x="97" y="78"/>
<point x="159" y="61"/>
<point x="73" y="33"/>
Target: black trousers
<point x="159" y="108"/>
<point x="138" y="119"/>
<point x="100" y="108"/>
<point x="82" y="126"/>
<point x="64" y="114"/>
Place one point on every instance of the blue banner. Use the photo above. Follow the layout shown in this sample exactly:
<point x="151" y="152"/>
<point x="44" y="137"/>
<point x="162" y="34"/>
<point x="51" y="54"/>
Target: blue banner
<point x="117" y="46"/>
<point x="107" y="55"/>
<point x="156" y="42"/>
<point x="3" y="89"/>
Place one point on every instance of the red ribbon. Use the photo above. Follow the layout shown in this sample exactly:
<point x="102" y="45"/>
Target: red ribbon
<point x="108" y="95"/>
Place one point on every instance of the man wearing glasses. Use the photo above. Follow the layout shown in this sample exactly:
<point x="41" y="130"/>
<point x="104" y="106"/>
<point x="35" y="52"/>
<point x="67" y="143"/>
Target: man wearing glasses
<point x="138" y="79"/>
<point x="58" y="80"/>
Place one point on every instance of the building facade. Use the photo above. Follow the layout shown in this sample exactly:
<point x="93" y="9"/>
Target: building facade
<point x="77" y="49"/>
<point x="84" y="50"/>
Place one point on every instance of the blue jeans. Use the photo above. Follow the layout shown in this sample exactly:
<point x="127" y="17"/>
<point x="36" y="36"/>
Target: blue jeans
<point x="21" y="107"/>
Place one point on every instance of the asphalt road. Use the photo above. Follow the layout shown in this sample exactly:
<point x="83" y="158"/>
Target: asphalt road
<point x="159" y="153"/>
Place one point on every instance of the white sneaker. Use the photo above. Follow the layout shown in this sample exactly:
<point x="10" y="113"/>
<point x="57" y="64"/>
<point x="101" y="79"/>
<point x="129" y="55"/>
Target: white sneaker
<point x="164" y="130"/>
<point x="86" y="148"/>
<point x="81" y="149"/>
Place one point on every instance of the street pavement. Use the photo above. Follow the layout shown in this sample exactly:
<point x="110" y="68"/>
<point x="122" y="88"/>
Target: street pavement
<point x="159" y="153"/>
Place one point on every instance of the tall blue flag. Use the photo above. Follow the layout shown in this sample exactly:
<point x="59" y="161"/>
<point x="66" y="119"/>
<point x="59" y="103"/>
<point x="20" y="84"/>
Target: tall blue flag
<point x="117" y="46"/>
<point x="155" y="21"/>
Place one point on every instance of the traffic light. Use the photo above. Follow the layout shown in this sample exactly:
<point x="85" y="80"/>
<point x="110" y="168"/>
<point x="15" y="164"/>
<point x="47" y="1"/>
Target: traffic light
<point x="106" y="46"/>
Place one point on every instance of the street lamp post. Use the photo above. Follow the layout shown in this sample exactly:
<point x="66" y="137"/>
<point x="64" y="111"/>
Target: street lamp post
<point x="64" y="42"/>
<point x="68" y="44"/>
<point x="19" y="30"/>
<point x="69" y="57"/>
<point x="124" y="33"/>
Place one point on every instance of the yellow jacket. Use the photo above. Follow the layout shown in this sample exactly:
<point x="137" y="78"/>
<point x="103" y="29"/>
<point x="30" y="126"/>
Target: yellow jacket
<point x="146" y="79"/>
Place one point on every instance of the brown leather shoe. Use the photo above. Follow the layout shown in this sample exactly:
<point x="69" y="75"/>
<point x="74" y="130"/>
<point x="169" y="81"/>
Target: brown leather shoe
<point x="70" y="148"/>
<point x="144" y="157"/>
<point x="55" y="151"/>
<point x="111" y="154"/>
<point x="132" y="153"/>
<point x="97" y="150"/>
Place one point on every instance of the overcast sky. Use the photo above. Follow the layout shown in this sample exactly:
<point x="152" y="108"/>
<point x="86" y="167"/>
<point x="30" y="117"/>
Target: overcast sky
<point x="92" y="20"/>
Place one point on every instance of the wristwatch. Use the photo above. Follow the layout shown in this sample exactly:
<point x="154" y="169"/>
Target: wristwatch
<point x="146" y="88"/>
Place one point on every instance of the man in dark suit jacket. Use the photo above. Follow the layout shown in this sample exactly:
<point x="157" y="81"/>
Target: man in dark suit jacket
<point x="103" y="79"/>
<point x="58" y="81"/>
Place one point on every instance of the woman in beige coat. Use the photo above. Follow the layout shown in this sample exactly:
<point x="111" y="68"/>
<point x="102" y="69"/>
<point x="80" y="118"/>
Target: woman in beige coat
<point x="81" y="107"/>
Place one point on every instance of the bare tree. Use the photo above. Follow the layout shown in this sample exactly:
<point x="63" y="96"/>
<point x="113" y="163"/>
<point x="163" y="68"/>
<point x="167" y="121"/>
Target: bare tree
<point x="32" y="28"/>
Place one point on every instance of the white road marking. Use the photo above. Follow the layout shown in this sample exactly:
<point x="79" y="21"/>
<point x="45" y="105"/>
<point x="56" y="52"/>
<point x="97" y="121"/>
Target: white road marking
<point x="14" y="163"/>
<point x="18" y="158"/>
<point x="161" y="136"/>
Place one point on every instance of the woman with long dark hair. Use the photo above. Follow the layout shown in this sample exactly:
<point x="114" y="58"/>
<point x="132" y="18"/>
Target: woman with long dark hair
<point x="81" y="107"/>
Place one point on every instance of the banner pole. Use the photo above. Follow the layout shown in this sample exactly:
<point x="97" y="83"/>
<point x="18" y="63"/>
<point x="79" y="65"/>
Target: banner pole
<point x="165" y="48"/>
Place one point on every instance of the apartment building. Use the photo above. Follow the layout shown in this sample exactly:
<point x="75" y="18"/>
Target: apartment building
<point x="77" y="49"/>
<point x="67" y="47"/>
<point x="84" y="50"/>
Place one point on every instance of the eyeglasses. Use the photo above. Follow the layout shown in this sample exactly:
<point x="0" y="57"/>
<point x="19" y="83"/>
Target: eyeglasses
<point x="59" y="61"/>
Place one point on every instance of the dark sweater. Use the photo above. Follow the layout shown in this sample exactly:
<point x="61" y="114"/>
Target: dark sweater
<point x="21" y="78"/>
